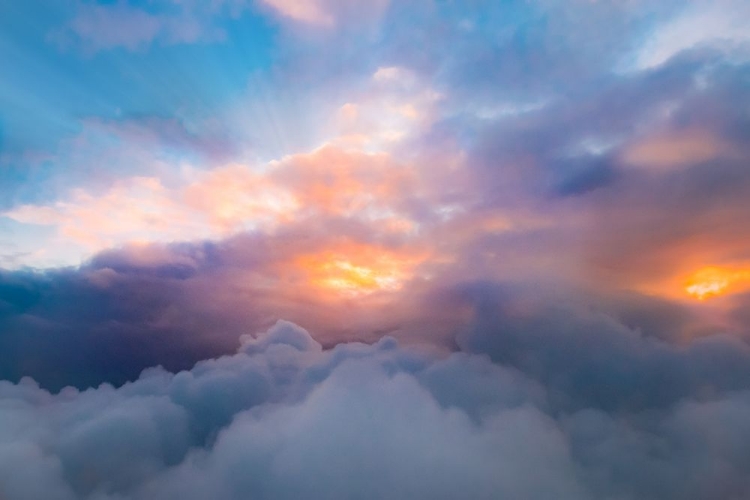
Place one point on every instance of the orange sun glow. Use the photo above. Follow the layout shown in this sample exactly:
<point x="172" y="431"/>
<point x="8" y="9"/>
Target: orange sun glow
<point x="714" y="281"/>
<point x="358" y="269"/>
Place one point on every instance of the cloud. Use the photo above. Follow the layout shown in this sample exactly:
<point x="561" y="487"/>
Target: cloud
<point x="700" y="25"/>
<point x="360" y="406"/>
<point x="679" y="148"/>
<point x="168" y="180"/>
<point x="647" y="171"/>
<point x="477" y="187"/>
<point x="105" y="151"/>
<point x="586" y="356"/>
<point x="117" y="26"/>
<point x="308" y="11"/>
<point x="96" y="27"/>
<point x="284" y="417"/>
<point x="398" y="106"/>
<point x="371" y="240"/>
<point x="462" y="199"/>
<point x="208" y="205"/>
<point x="126" y="309"/>
<point x="328" y="13"/>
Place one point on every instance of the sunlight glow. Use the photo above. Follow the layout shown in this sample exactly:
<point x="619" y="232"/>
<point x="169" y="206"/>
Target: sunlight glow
<point x="357" y="270"/>
<point x="714" y="281"/>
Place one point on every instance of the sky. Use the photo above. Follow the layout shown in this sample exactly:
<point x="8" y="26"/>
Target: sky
<point x="374" y="249"/>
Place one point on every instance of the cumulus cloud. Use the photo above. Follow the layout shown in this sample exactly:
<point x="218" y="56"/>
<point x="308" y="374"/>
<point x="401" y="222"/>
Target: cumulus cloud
<point x="281" y="418"/>
<point x="284" y="417"/>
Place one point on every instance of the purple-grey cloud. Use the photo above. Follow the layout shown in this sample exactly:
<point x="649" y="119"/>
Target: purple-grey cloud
<point x="100" y="27"/>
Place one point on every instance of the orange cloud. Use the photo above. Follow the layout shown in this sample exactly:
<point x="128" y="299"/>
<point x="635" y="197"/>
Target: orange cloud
<point x="714" y="281"/>
<point x="355" y="268"/>
<point x="352" y="176"/>
<point x="328" y="182"/>
<point x="234" y="196"/>
<point x="132" y="210"/>
<point x="345" y="183"/>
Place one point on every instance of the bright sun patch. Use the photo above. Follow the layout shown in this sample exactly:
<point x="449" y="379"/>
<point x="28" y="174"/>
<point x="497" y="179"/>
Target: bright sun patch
<point x="345" y="276"/>
<point x="358" y="269"/>
<point x="713" y="281"/>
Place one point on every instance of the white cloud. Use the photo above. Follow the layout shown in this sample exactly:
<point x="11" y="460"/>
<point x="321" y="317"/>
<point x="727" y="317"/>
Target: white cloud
<point x="284" y="418"/>
<point x="286" y="421"/>
<point x="722" y="23"/>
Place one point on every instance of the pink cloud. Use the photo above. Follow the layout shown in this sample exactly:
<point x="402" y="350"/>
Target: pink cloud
<point x="675" y="149"/>
<point x="214" y="204"/>
<point x="307" y="11"/>
<point x="327" y="13"/>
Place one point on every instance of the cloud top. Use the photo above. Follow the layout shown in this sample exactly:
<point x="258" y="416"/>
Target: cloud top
<point x="285" y="419"/>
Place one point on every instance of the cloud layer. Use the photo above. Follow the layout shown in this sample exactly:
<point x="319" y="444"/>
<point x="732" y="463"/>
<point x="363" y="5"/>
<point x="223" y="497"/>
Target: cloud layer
<point x="516" y="231"/>
<point x="284" y="418"/>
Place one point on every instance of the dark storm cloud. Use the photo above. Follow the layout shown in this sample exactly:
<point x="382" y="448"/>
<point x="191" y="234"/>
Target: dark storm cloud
<point x="84" y="327"/>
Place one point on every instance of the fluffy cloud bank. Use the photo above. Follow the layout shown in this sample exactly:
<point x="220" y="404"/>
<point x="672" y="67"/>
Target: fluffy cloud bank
<point x="284" y="418"/>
